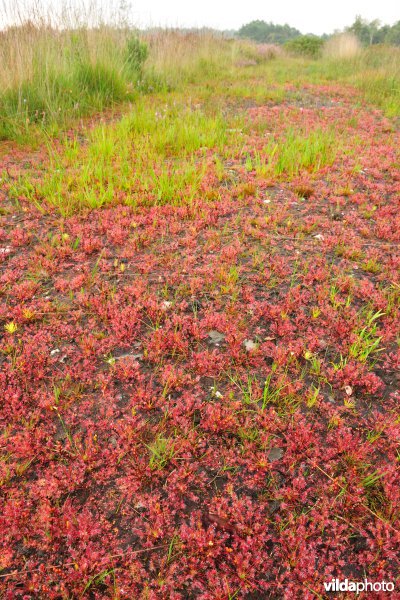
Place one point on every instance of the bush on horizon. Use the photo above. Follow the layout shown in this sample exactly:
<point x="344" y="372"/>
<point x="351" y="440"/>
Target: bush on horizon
<point x="305" y="45"/>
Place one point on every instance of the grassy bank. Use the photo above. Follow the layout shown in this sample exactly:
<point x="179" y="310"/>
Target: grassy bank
<point x="51" y="77"/>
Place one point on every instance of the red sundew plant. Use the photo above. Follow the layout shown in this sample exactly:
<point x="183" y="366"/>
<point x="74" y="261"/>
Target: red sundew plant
<point x="200" y="400"/>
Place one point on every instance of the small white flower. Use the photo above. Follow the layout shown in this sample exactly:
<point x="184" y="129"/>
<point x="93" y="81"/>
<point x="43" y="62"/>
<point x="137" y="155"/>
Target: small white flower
<point x="250" y="345"/>
<point x="215" y="393"/>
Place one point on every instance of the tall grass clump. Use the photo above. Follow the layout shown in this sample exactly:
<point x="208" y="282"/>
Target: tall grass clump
<point x="180" y="57"/>
<point x="345" y="45"/>
<point x="378" y="77"/>
<point x="375" y="71"/>
<point x="300" y="151"/>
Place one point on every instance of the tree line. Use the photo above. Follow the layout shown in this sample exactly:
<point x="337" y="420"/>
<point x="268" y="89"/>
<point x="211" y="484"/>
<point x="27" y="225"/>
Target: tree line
<point x="368" y="33"/>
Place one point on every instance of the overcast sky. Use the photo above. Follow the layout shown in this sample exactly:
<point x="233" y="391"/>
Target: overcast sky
<point x="310" y="16"/>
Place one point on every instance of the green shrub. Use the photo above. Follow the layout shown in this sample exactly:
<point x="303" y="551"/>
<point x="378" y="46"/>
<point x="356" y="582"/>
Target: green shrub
<point x="306" y="45"/>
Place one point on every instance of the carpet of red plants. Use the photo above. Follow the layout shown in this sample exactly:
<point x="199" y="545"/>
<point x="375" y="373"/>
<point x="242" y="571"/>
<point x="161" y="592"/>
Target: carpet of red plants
<point x="143" y="453"/>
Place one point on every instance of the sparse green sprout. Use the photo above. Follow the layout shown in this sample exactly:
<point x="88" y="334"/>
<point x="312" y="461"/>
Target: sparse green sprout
<point x="373" y="435"/>
<point x="271" y="394"/>
<point x="367" y="342"/>
<point x="340" y="365"/>
<point x="110" y="360"/>
<point x="312" y="397"/>
<point x="314" y="362"/>
<point x="371" y="479"/>
<point x="333" y="293"/>
<point x="250" y="434"/>
<point x="219" y="168"/>
<point x="249" y="163"/>
<point x="173" y="543"/>
<point x="11" y="327"/>
<point x="57" y="394"/>
<point x="349" y="403"/>
<point x="372" y="266"/>
<point x="368" y="212"/>
<point x="162" y="450"/>
<point x="28" y="314"/>
<point x="97" y="580"/>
